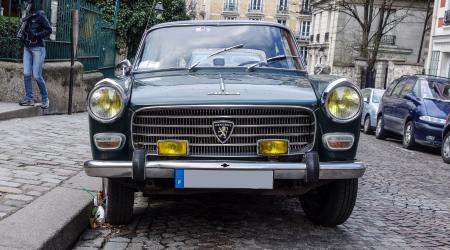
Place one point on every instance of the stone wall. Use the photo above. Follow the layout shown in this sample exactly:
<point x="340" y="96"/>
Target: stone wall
<point x="396" y="70"/>
<point x="56" y="75"/>
<point x="348" y="72"/>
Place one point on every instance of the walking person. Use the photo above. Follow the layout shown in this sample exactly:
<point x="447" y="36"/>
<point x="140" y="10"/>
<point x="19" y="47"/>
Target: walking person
<point x="37" y="28"/>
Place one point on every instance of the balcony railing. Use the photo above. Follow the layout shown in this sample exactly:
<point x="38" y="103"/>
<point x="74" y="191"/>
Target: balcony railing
<point x="327" y="37"/>
<point x="230" y="6"/>
<point x="302" y="37"/>
<point x="388" y="40"/>
<point x="447" y="17"/>
<point x="255" y="7"/>
<point x="282" y="9"/>
<point x="305" y="11"/>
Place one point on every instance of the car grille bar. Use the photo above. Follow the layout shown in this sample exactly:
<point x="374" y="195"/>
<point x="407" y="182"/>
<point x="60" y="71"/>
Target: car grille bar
<point x="251" y="123"/>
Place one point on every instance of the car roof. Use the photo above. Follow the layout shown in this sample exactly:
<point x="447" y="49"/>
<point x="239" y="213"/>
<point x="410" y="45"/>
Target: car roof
<point x="217" y="23"/>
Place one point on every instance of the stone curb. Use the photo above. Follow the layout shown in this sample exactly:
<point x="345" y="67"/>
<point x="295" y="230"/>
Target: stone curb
<point x="54" y="220"/>
<point x="20" y="112"/>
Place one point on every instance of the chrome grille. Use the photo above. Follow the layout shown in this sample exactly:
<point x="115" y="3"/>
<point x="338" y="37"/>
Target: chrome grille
<point x="251" y="123"/>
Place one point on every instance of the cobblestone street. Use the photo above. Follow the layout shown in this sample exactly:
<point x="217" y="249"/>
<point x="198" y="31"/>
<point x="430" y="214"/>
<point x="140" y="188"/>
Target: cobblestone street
<point x="403" y="203"/>
<point x="38" y="154"/>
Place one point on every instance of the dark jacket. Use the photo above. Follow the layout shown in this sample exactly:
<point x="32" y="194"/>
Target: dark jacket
<point x="38" y="28"/>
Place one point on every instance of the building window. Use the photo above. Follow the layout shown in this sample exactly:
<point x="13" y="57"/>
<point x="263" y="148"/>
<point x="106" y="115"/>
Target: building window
<point x="282" y="7"/>
<point x="305" y="7"/>
<point x="282" y="21"/>
<point x="230" y="18"/>
<point x="255" y="19"/>
<point x="230" y="5"/>
<point x="304" y="54"/>
<point x="305" y="28"/>
<point x="434" y="63"/>
<point x="256" y="5"/>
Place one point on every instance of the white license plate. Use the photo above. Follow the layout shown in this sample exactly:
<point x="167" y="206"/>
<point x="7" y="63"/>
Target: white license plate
<point x="244" y="179"/>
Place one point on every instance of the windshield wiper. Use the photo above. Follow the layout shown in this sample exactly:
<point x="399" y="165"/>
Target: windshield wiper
<point x="213" y="54"/>
<point x="272" y="59"/>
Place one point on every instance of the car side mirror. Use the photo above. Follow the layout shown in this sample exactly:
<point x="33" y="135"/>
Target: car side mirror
<point x="125" y="67"/>
<point x="410" y="97"/>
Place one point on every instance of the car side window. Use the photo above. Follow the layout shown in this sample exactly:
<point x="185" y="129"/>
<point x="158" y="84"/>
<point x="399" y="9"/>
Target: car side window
<point x="366" y="95"/>
<point x="398" y="89"/>
<point x="408" y="87"/>
<point x="391" y="87"/>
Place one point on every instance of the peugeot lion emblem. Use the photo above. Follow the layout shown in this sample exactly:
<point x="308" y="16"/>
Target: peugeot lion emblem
<point x="223" y="130"/>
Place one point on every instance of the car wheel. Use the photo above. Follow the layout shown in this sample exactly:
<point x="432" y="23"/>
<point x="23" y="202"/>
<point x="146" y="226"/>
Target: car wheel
<point x="367" y="129"/>
<point x="380" y="132"/>
<point x="409" y="141"/>
<point x="119" y="201"/>
<point x="332" y="204"/>
<point x="445" y="149"/>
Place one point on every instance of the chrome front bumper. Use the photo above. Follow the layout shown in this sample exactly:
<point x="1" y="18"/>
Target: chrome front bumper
<point x="166" y="169"/>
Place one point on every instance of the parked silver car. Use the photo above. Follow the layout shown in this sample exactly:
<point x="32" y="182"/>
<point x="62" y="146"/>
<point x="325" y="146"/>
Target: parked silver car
<point x="372" y="99"/>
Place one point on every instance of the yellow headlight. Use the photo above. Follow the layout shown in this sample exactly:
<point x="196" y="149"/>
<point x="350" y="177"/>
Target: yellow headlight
<point x="343" y="103"/>
<point x="273" y="147"/>
<point x="172" y="148"/>
<point x="105" y="103"/>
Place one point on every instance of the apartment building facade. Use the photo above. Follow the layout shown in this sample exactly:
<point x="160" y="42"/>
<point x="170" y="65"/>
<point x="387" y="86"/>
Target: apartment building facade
<point x="336" y="38"/>
<point x="294" y="14"/>
<point x="438" y="60"/>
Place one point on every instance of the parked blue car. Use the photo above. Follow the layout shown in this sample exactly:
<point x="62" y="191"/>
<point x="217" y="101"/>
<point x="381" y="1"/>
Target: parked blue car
<point x="416" y="108"/>
<point x="372" y="98"/>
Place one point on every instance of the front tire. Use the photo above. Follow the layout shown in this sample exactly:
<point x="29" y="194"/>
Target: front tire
<point x="119" y="201"/>
<point x="445" y="149"/>
<point x="367" y="129"/>
<point x="332" y="204"/>
<point x="409" y="139"/>
<point x="380" y="132"/>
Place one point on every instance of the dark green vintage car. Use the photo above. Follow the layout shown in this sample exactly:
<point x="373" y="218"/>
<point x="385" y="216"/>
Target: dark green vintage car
<point x="221" y="106"/>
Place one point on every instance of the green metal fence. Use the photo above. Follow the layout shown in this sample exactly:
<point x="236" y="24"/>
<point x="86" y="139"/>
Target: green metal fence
<point x="97" y="38"/>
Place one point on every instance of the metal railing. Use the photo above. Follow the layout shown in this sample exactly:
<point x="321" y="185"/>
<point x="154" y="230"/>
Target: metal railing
<point x="97" y="38"/>
<point x="305" y="11"/>
<point x="388" y="40"/>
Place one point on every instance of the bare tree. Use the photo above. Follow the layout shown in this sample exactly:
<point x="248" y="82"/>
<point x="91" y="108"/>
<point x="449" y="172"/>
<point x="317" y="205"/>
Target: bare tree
<point x="375" y="19"/>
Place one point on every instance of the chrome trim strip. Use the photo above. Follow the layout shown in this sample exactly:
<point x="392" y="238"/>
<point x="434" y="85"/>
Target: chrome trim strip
<point x="209" y="126"/>
<point x="229" y="106"/>
<point x="165" y="169"/>
<point x="238" y="135"/>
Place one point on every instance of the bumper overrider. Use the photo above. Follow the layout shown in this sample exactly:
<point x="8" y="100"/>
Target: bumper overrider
<point x="311" y="170"/>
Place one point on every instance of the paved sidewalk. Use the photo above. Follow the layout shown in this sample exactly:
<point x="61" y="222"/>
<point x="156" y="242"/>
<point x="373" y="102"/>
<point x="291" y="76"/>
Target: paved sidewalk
<point x="38" y="154"/>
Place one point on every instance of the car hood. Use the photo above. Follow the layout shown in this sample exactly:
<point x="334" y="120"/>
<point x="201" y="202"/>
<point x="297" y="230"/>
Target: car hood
<point x="437" y="108"/>
<point x="205" y="88"/>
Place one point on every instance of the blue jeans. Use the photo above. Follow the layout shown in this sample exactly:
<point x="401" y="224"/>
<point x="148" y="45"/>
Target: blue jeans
<point x="33" y="60"/>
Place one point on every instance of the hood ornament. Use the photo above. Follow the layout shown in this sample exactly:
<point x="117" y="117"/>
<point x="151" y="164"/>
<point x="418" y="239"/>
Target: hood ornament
<point x="222" y="89"/>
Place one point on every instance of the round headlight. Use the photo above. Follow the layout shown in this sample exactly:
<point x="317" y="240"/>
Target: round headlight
<point x="105" y="103"/>
<point x="343" y="103"/>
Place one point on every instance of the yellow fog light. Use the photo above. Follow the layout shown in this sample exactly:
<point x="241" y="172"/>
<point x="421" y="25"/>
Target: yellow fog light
<point x="173" y="148"/>
<point x="273" y="147"/>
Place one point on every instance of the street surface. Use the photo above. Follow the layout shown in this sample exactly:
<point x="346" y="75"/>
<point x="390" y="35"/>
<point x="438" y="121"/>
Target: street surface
<point x="38" y="154"/>
<point x="403" y="203"/>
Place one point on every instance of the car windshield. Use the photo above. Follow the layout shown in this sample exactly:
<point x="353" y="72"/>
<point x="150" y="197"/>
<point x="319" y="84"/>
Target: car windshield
<point x="376" y="97"/>
<point x="439" y="90"/>
<point x="182" y="47"/>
